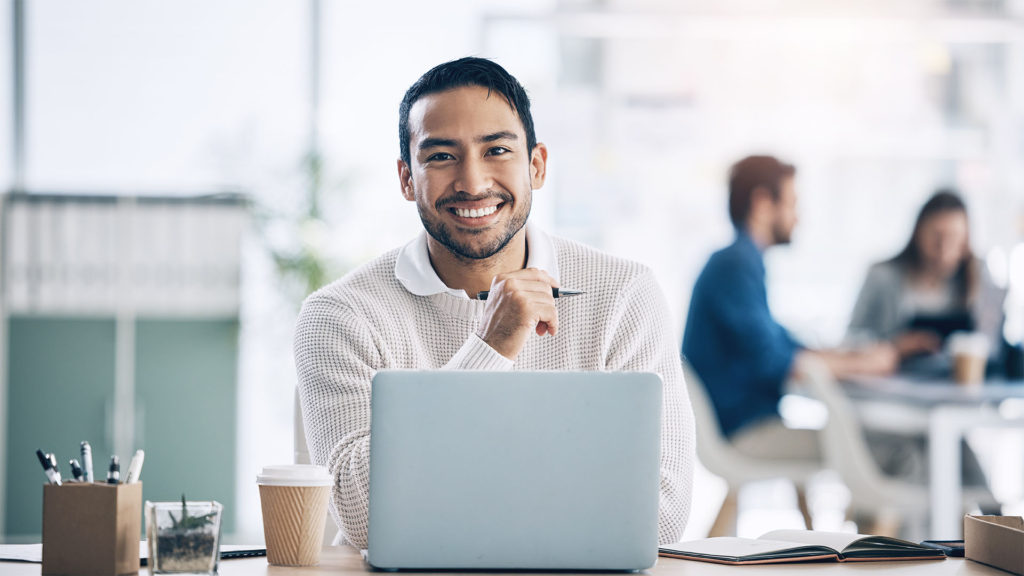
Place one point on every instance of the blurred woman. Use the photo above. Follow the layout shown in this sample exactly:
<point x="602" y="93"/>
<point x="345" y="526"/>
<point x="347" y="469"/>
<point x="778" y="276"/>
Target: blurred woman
<point x="933" y="287"/>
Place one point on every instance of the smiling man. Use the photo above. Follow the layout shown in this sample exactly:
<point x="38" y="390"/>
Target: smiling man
<point x="470" y="161"/>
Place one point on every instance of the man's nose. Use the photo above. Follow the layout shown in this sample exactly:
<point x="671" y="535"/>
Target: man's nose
<point x="473" y="177"/>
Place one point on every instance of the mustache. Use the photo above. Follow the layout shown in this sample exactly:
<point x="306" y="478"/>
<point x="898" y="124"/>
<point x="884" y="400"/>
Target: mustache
<point x="467" y="197"/>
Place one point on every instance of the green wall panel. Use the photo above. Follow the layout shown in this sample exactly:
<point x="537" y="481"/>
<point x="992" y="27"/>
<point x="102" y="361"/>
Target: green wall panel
<point x="186" y="382"/>
<point x="60" y="386"/>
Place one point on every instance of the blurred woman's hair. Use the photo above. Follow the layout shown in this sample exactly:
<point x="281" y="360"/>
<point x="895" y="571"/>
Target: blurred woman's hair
<point x="966" y="277"/>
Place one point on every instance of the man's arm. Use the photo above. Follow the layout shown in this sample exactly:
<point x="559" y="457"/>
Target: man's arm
<point x="336" y="356"/>
<point x="643" y="340"/>
<point x="736" y="297"/>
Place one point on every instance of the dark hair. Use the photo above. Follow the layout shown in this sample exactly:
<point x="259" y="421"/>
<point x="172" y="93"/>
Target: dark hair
<point x="966" y="276"/>
<point x="750" y="173"/>
<point x="468" y="71"/>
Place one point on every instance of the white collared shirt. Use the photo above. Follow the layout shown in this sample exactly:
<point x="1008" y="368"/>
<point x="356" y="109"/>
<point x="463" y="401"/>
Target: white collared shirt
<point x="414" y="271"/>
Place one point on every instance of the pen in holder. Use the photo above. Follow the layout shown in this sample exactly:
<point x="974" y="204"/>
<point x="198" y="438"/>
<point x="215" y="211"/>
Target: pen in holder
<point x="91" y="529"/>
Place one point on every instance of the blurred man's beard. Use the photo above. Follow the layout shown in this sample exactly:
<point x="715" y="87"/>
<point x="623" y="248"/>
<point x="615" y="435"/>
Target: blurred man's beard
<point x="440" y="232"/>
<point x="781" y="234"/>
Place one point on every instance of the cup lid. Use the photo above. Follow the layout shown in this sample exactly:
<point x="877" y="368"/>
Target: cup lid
<point x="972" y="343"/>
<point x="294" y="475"/>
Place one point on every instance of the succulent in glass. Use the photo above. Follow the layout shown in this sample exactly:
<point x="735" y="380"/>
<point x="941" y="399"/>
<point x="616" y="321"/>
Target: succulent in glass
<point x="183" y="537"/>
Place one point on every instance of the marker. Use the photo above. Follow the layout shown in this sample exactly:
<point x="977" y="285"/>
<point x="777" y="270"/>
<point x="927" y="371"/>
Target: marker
<point x="51" y="471"/>
<point x="114" y="472"/>
<point x="135" y="468"/>
<point x="87" y="461"/>
<point x="76" y="470"/>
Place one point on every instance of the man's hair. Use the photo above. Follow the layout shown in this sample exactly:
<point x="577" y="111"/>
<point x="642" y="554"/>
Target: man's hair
<point x="468" y="71"/>
<point x="750" y="173"/>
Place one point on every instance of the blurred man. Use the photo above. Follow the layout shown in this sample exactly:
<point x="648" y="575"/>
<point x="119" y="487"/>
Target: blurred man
<point x="731" y="339"/>
<point x="470" y="162"/>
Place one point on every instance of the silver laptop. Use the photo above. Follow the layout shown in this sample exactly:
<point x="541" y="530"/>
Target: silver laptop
<point x="514" y="470"/>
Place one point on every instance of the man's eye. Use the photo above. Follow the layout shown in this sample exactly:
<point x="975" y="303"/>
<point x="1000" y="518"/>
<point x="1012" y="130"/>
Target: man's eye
<point x="498" y="151"/>
<point x="439" y="157"/>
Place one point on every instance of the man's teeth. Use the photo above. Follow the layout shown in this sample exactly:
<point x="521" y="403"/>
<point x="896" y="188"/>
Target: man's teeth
<point x="475" y="213"/>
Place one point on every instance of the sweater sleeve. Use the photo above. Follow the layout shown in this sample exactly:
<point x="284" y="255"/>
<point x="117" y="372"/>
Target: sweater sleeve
<point x="336" y="356"/>
<point x="642" y="340"/>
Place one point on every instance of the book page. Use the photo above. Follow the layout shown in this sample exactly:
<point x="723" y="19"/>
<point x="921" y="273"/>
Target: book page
<point x="836" y="540"/>
<point x="734" y="547"/>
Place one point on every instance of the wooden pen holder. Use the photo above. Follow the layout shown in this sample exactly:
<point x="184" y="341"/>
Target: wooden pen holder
<point x="91" y="529"/>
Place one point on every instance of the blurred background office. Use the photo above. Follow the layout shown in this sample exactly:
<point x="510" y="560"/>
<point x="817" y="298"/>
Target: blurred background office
<point x="183" y="173"/>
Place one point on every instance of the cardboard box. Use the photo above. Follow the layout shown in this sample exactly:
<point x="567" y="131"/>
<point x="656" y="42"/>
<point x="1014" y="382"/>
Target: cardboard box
<point x="91" y="529"/>
<point x="995" y="540"/>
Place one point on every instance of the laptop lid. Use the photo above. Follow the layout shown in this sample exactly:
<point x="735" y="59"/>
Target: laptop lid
<point x="514" y="470"/>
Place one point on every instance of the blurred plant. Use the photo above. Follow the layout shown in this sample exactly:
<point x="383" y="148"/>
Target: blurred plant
<point x="298" y="242"/>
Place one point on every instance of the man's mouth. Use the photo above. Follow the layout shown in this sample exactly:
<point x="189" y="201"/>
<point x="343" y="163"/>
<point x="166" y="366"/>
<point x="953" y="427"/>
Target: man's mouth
<point x="475" y="212"/>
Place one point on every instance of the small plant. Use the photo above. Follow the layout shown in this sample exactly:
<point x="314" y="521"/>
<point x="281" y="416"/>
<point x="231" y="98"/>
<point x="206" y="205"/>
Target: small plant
<point x="184" y="542"/>
<point x="187" y="522"/>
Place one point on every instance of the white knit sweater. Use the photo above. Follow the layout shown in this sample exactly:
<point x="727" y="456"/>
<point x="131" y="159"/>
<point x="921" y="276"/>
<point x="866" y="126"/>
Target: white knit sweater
<point x="368" y="321"/>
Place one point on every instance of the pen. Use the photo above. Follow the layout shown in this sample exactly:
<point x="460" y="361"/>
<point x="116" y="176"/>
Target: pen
<point x="76" y="470"/>
<point x="51" y="471"/>
<point x="87" y="461"/>
<point x="114" y="472"/>
<point x="135" y="468"/>
<point x="556" y="292"/>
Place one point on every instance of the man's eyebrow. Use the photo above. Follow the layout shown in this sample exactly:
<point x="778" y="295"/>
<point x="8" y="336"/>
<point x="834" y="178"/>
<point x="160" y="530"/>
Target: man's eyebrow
<point x="436" y="143"/>
<point x="503" y="135"/>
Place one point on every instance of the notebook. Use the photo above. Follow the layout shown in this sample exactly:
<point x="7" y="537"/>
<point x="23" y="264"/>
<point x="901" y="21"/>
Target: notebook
<point x="800" y="546"/>
<point x="514" y="470"/>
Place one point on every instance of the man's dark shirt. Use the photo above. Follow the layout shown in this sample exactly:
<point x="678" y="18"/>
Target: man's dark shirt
<point x="740" y="352"/>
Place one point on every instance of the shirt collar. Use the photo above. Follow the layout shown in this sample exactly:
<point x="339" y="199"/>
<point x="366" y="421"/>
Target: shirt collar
<point x="414" y="271"/>
<point x="749" y="247"/>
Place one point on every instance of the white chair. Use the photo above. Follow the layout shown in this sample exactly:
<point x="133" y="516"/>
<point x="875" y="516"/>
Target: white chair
<point x="872" y="493"/>
<point x="721" y="458"/>
<point x="332" y="536"/>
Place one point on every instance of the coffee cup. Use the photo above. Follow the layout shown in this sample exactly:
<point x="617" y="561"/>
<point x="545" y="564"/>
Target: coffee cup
<point x="294" y="501"/>
<point x="969" y="351"/>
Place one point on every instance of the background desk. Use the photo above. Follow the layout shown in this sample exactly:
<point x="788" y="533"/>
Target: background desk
<point x="945" y="412"/>
<point x="343" y="560"/>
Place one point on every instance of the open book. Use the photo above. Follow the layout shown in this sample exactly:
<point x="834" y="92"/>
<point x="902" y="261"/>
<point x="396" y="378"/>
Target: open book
<point x="800" y="546"/>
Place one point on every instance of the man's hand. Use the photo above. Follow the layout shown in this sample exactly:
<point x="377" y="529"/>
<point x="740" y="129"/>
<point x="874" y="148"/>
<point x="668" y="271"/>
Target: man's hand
<point x="519" y="302"/>
<point x="877" y="359"/>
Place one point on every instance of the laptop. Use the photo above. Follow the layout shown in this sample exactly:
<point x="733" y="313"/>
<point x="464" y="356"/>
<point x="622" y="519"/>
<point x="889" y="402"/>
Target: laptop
<point x="514" y="470"/>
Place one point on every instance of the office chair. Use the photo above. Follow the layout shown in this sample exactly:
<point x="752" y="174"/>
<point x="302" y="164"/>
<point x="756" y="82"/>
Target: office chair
<point x="873" y="494"/>
<point x="721" y="458"/>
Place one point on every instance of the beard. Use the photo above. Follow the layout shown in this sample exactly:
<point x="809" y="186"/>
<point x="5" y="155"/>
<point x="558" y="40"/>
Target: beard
<point x="781" y="233"/>
<point x="485" y="248"/>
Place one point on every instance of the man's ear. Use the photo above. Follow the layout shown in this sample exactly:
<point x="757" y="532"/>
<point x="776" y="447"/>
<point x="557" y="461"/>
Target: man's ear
<point x="405" y="180"/>
<point x="538" y="166"/>
<point x="761" y="200"/>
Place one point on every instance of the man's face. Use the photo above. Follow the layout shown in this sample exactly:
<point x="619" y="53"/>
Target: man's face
<point x="785" y="212"/>
<point x="470" y="175"/>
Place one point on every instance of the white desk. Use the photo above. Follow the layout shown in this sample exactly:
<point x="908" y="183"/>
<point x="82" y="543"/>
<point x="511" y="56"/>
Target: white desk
<point x="945" y="412"/>
<point x="345" y="561"/>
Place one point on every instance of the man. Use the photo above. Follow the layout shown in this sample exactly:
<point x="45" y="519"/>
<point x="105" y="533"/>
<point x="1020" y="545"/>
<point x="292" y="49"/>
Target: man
<point x="470" y="161"/>
<point x="731" y="339"/>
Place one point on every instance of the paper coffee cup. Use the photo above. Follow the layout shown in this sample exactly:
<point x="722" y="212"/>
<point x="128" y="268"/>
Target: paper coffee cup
<point x="294" y="501"/>
<point x="969" y="351"/>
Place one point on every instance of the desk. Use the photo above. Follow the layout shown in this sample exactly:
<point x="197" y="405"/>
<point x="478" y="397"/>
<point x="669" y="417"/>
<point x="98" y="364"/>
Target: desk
<point x="945" y="412"/>
<point x="343" y="560"/>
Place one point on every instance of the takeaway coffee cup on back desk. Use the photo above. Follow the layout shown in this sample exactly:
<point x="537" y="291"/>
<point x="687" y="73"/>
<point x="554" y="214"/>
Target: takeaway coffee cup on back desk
<point x="294" y="502"/>
<point x="969" y="351"/>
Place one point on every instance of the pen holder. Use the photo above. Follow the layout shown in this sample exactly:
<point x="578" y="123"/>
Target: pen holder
<point x="91" y="529"/>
